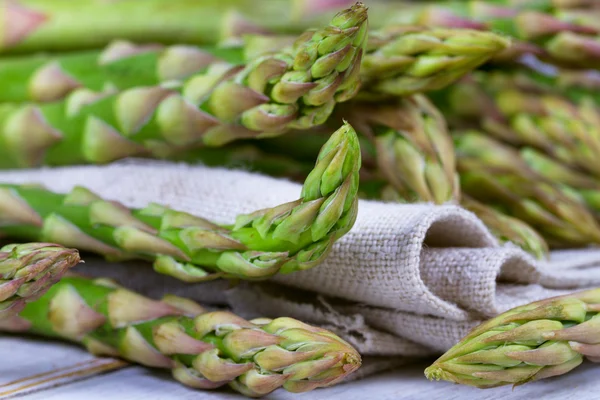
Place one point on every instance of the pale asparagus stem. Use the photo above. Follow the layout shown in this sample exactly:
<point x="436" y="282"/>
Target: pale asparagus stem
<point x="414" y="151"/>
<point x="496" y="175"/>
<point x="536" y="341"/>
<point x="285" y="238"/>
<point x="294" y="88"/>
<point x="508" y="229"/>
<point x="204" y="350"/>
<point x="28" y="270"/>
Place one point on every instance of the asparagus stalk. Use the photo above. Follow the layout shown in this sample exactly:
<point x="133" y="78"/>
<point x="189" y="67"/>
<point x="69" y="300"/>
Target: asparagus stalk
<point x="414" y="151"/>
<point x="528" y="343"/>
<point x="496" y="175"/>
<point x="293" y="88"/>
<point x="289" y="237"/>
<point x="203" y="350"/>
<point x="508" y="229"/>
<point x="28" y="270"/>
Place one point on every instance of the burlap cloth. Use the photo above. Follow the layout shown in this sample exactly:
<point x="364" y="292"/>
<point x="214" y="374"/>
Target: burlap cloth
<point x="407" y="281"/>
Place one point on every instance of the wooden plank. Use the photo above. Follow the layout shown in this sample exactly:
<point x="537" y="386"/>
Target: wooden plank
<point x="33" y="365"/>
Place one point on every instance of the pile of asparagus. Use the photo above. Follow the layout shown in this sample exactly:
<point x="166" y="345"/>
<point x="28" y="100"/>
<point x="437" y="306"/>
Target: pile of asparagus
<point x="486" y="104"/>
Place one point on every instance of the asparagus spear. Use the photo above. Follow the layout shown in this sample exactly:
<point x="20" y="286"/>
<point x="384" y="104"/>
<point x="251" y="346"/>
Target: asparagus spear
<point x="414" y="151"/>
<point x="508" y="229"/>
<point x="28" y="270"/>
<point x="204" y="350"/>
<point x="289" y="237"/>
<point x="496" y="175"/>
<point x="294" y="88"/>
<point x="528" y="343"/>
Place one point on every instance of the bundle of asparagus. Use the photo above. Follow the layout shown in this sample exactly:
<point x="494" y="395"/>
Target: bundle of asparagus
<point x="165" y="88"/>
<point x="204" y="350"/>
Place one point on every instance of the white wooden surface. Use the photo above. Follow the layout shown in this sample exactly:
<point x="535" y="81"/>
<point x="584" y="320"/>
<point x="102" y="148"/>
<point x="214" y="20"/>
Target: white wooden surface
<point x="22" y="358"/>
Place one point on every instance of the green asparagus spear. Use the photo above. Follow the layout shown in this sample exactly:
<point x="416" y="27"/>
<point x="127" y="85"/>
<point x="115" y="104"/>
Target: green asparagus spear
<point x="528" y="343"/>
<point x="203" y="350"/>
<point x="583" y="185"/>
<point x="289" y="237"/>
<point x="403" y="60"/>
